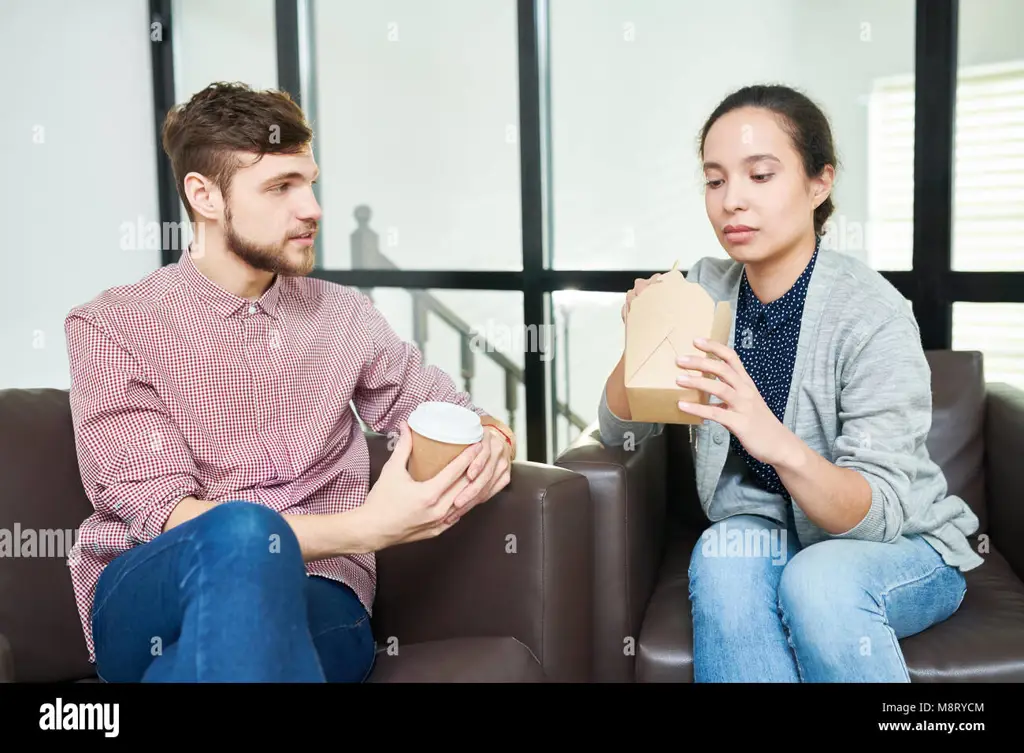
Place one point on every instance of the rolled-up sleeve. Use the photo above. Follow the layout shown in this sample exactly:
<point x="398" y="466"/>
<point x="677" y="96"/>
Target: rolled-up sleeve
<point x="394" y="380"/>
<point x="618" y="432"/>
<point x="885" y="413"/>
<point x="134" y="462"/>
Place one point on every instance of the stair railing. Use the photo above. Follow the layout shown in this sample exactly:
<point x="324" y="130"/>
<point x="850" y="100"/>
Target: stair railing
<point x="366" y="254"/>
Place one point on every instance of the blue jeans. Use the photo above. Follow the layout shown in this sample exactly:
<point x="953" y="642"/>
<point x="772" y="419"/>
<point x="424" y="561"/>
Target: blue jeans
<point x="765" y="610"/>
<point x="225" y="597"/>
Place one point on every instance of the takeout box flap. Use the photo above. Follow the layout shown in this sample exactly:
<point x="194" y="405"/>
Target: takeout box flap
<point x="662" y="324"/>
<point x="664" y="320"/>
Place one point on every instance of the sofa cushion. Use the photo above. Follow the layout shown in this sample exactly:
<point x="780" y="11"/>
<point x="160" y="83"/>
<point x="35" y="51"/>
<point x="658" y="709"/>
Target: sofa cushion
<point x="486" y="660"/>
<point x="982" y="642"/>
<point x="665" y="649"/>
<point x="6" y="660"/>
<point x="956" y="441"/>
<point x="41" y="499"/>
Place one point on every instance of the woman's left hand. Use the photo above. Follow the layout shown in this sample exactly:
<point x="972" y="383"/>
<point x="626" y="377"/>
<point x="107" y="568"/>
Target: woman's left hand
<point x="743" y="411"/>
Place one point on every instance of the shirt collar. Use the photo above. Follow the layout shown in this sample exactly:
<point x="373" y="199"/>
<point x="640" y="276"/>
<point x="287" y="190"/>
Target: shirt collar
<point x="785" y="307"/>
<point x="223" y="302"/>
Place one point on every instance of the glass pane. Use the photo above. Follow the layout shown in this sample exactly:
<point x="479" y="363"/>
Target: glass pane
<point x="632" y="82"/>
<point x="223" y="40"/>
<point x="589" y="337"/>
<point x="988" y="190"/>
<point x="417" y="118"/>
<point x="997" y="330"/>
<point x="476" y="337"/>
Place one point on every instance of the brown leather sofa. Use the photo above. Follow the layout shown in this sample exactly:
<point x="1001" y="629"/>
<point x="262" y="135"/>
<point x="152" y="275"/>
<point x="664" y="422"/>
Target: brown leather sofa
<point x="647" y="520"/>
<point x="505" y="596"/>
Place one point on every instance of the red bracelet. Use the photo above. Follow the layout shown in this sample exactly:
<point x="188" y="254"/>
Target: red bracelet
<point x="506" y="437"/>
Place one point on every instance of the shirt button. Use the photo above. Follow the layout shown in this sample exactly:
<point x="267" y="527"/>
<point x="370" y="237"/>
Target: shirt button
<point x="719" y="437"/>
<point x="252" y="309"/>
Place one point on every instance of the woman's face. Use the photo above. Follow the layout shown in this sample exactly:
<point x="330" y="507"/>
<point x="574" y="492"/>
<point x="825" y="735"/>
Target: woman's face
<point x="758" y="198"/>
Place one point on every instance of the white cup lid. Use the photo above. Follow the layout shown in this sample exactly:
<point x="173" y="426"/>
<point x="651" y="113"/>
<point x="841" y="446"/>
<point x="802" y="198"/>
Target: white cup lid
<point x="446" y="422"/>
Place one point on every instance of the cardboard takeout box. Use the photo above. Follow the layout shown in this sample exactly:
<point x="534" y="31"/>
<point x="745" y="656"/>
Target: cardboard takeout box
<point x="662" y="323"/>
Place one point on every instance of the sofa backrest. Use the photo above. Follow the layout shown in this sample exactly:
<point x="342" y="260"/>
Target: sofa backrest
<point x="955" y="441"/>
<point x="42" y="502"/>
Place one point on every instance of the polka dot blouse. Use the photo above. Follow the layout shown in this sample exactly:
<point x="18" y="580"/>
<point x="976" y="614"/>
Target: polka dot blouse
<point x="765" y="339"/>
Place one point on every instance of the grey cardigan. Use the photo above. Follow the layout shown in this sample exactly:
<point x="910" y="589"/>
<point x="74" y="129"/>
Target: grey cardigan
<point x="860" y="396"/>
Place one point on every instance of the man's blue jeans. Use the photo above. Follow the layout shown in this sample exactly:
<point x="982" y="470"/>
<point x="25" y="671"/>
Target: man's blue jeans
<point x="765" y="610"/>
<point x="225" y="597"/>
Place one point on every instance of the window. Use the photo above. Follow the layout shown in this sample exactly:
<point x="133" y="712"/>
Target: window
<point x="997" y="330"/>
<point x="988" y="220"/>
<point x="890" y="227"/>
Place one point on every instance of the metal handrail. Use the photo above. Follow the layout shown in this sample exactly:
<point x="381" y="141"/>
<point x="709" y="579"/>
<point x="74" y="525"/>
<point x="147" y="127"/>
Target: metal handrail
<point x="366" y="254"/>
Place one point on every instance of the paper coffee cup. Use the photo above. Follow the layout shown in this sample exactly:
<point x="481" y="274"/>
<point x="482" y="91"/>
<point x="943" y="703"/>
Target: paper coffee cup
<point x="440" y="431"/>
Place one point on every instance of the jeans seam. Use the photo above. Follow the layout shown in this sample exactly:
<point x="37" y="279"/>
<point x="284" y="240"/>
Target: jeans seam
<point x="346" y="626"/>
<point x="97" y="608"/>
<point x="884" y="595"/>
<point x="789" y="640"/>
<point x="373" y="662"/>
<point x="890" y="589"/>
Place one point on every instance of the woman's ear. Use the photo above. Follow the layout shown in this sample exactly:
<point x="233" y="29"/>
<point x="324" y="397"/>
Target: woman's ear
<point x="821" y="186"/>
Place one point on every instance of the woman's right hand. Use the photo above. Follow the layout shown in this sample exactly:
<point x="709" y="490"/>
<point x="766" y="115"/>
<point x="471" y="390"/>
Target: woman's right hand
<point x="638" y="287"/>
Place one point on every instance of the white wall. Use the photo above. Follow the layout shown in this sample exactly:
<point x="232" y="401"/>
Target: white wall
<point x="77" y="149"/>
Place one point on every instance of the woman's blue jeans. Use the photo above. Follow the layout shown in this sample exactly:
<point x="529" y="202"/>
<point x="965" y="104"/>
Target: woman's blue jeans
<point x="765" y="610"/>
<point x="224" y="597"/>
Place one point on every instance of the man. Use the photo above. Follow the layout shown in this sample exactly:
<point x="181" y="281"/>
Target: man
<point x="235" y="530"/>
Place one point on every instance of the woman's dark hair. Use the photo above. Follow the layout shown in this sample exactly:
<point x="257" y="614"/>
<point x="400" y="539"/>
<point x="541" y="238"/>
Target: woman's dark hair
<point x="801" y="118"/>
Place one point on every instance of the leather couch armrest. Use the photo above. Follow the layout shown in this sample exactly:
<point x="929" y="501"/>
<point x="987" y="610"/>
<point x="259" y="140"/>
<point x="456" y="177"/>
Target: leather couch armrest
<point x="627" y="487"/>
<point x="6" y="660"/>
<point x="1004" y="471"/>
<point x="518" y="565"/>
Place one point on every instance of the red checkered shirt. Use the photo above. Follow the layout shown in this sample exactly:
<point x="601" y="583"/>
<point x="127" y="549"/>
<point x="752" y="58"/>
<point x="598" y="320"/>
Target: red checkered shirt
<point x="180" y="388"/>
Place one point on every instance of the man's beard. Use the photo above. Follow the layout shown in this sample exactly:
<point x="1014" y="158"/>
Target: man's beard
<point x="267" y="258"/>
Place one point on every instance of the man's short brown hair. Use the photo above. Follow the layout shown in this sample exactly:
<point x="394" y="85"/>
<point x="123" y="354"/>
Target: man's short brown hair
<point x="201" y="135"/>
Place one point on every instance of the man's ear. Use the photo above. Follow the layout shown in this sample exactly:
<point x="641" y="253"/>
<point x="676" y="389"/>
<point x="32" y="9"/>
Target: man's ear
<point x="203" y="195"/>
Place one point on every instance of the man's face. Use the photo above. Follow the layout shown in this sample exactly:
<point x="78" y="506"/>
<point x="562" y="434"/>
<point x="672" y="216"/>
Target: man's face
<point x="271" y="216"/>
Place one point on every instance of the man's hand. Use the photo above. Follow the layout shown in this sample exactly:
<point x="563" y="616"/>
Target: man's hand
<point x="743" y="411"/>
<point x="489" y="474"/>
<point x="399" y="509"/>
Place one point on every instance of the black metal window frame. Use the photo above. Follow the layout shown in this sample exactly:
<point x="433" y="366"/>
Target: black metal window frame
<point x="932" y="285"/>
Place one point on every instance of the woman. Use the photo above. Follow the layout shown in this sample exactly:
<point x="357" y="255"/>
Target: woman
<point x="832" y="534"/>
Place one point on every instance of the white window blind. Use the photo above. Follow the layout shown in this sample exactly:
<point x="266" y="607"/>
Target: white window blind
<point x="988" y="204"/>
